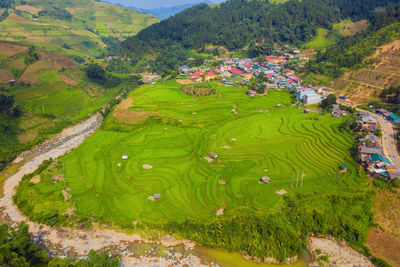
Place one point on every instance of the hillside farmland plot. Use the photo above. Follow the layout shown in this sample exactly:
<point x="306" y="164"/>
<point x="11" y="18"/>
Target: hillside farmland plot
<point x="167" y="153"/>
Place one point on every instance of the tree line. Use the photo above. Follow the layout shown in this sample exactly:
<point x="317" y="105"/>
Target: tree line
<point x="284" y="233"/>
<point x="18" y="250"/>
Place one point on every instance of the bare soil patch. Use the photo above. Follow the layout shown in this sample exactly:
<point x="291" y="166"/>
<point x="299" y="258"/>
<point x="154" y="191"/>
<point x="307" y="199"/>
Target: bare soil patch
<point x="352" y="28"/>
<point x="147" y="166"/>
<point x="385" y="246"/>
<point x="219" y="212"/>
<point x="149" y="77"/>
<point x="28" y="8"/>
<point x="35" y="179"/>
<point x="11" y="49"/>
<point x="5" y="76"/>
<point x="68" y="81"/>
<point x="281" y="192"/>
<point x="184" y="81"/>
<point x="387" y="211"/>
<point x="122" y="114"/>
<point x="363" y="86"/>
<point x="16" y="18"/>
<point x="48" y="61"/>
<point x="209" y="160"/>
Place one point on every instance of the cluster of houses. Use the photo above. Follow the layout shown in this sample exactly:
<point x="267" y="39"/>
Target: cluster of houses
<point x="243" y="70"/>
<point x="371" y="152"/>
<point x="337" y="111"/>
<point x="388" y="115"/>
<point x="113" y="58"/>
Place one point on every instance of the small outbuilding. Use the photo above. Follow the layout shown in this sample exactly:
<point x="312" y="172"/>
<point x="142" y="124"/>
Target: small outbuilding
<point x="278" y="105"/>
<point x="213" y="155"/>
<point x="265" y="179"/>
<point x="125" y="157"/>
<point x="343" y="167"/>
<point x="157" y="196"/>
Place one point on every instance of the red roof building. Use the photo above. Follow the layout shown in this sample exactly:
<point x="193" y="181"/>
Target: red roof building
<point x="235" y="71"/>
<point x="251" y="92"/>
<point x="218" y="71"/>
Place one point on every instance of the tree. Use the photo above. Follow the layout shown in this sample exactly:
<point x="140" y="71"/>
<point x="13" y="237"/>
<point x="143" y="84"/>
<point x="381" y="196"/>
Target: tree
<point x="17" y="248"/>
<point x="328" y="102"/>
<point x="96" y="72"/>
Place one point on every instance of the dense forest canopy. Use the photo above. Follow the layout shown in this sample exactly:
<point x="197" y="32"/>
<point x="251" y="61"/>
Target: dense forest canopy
<point x="237" y="24"/>
<point x="6" y="3"/>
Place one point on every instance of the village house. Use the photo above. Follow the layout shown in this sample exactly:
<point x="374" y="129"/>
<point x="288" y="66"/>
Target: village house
<point x="209" y="76"/>
<point x="251" y="93"/>
<point x="371" y="140"/>
<point x="337" y="112"/>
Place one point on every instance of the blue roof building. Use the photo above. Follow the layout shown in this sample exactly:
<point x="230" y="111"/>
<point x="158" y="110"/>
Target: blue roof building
<point x="378" y="157"/>
<point x="394" y="118"/>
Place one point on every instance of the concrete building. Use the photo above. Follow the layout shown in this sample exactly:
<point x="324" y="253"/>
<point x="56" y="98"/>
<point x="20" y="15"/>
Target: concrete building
<point x="310" y="99"/>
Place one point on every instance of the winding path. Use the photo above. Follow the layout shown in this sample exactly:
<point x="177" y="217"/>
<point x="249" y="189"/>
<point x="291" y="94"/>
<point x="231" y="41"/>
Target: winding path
<point x="66" y="241"/>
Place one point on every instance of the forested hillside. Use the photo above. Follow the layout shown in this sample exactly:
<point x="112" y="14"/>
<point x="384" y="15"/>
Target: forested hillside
<point x="364" y="65"/>
<point x="351" y="51"/>
<point x="241" y="24"/>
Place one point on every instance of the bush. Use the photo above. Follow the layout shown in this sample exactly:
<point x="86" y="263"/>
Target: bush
<point x="56" y="13"/>
<point x="396" y="182"/>
<point x="78" y="59"/>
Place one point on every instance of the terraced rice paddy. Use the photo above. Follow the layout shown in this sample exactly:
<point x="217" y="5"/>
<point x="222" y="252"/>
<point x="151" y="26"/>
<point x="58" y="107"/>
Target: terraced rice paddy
<point x="252" y="137"/>
<point x="60" y="100"/>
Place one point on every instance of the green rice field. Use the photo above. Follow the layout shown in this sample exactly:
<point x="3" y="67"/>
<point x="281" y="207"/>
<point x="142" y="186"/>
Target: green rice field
<point x="253" y="137"/>
<point x="60" y="100"/>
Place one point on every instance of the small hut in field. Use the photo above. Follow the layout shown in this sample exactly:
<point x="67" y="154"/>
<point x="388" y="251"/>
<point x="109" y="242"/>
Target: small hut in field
<point x="265" y="179"/>
<point x="213" y="155"/>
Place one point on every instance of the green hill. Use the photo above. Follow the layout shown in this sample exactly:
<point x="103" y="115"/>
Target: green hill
<point x="50" y="90"/>
<point x="255" y="26"/>
<point x="72" y="27"/>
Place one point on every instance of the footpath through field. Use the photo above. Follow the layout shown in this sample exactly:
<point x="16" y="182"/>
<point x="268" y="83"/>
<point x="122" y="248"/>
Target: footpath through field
<point x="388" y="139"/>
<point x="66" y="240"/>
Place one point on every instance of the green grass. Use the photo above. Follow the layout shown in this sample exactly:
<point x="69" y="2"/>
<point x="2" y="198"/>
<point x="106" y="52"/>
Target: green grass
<point x="283" y="140"/>
<point x="323" y="39"/>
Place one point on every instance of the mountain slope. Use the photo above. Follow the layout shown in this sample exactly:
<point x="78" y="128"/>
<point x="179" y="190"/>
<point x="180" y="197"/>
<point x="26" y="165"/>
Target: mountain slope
<point x="361" y="66"/>
<point x="166" y="12"/>
<point x="238" y="24"/>
<point x="72" y="26"/>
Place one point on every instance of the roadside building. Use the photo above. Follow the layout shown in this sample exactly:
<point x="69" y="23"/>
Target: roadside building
<point x="368" y="120"/>
<point x="394" y="118"/>
<point x="376" y="158"/>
